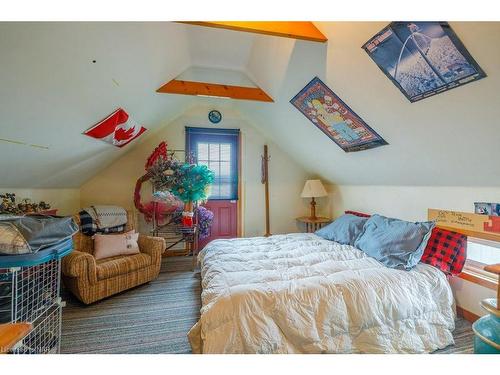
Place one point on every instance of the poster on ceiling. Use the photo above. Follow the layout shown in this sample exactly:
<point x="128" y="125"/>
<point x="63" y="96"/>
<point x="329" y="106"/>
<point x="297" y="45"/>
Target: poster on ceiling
<point x="334" y="118"/>
<point x="423" y="58"/>
<point x="118" y="129"/>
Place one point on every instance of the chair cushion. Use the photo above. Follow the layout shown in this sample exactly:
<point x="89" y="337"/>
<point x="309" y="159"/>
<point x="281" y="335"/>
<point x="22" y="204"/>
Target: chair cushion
<point x="120" y="265"/>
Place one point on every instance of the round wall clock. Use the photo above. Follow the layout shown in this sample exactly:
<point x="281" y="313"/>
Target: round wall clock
<point x="214" y="116"/>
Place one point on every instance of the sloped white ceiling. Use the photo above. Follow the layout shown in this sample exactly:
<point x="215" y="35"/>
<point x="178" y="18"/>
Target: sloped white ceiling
<point x="450" y="139"/>
<point x="50" y="92"/>
<point x="217" y="48"/>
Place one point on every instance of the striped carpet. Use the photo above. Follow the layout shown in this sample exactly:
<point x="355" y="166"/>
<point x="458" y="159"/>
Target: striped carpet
<point x="155" y="317"/>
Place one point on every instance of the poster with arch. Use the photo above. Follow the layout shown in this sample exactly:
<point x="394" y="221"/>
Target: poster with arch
<point x="336" y="119"/>
<point x="423" y="58"/>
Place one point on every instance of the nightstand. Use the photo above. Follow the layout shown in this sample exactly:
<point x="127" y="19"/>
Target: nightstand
<point x="312" y="225"/>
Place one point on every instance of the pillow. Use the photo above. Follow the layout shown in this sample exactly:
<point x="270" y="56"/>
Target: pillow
<point x="360" y="214"/>
<point x="110" y="245"/>
<point x="446" y="250"/>
<point x="393" y="242"/>
<point x="12" y="241"/>
<point x="344" y="230"/>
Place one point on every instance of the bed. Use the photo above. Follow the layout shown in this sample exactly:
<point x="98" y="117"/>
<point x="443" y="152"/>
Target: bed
<point x="299" y="293"/>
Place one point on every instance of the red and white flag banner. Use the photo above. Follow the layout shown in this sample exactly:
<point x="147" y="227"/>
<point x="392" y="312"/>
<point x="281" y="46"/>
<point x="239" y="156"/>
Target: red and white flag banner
<point x="118" y="129"/>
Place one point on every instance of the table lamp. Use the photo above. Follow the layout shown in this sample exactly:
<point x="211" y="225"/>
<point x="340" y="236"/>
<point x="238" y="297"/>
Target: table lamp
<point x="313" y="189"/>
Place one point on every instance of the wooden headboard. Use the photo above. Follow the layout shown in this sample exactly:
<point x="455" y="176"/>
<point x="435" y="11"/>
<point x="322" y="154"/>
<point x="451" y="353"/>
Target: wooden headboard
<point x="473" y="225"/>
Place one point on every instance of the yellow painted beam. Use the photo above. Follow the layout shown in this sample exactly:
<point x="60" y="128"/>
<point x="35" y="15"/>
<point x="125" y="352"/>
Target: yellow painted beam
<point x="289" y="29"/>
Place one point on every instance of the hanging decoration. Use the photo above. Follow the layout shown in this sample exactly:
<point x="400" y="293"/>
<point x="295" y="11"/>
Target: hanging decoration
<point x="165" y="173"/>
<point x="188" y="183"/>
<point x="160" y="152"/>
<point x="205" y="220"/>
<point x="118" y="129"/>
<point x="191" y="182"/>
<point x="142" y="208"/>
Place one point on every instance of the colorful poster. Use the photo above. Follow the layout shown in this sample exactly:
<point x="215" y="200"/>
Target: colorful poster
<point x="423" y="58"/>
<point x="334" y="118"/>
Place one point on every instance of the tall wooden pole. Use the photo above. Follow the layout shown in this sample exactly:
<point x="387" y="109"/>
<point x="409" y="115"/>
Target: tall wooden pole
<point x="265" y="180"/>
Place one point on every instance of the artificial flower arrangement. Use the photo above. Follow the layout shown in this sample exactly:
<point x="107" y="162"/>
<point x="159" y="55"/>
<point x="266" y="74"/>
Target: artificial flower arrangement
<point x="9" y="206"/>
<point x="188" y="182"/>
<point x="205" y="220"/>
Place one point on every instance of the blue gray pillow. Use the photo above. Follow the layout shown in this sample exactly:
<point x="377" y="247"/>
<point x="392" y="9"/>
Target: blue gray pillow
<point x="344" y="230"/>
<point x="393" y="242"/>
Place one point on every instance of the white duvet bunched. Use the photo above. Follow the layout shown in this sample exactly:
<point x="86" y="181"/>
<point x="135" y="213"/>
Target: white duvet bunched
<point x="299" y="293"/>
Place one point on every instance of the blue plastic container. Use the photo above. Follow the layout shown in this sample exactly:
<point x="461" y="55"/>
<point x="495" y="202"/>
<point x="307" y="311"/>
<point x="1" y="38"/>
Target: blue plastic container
<point x="53" y="252"/>
<point x="487" y="329"/>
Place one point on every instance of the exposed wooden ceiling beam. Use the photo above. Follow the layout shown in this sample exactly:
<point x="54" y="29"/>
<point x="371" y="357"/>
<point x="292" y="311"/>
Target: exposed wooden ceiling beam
<point x="295" y="30"/>
<point x="176" y="86"/>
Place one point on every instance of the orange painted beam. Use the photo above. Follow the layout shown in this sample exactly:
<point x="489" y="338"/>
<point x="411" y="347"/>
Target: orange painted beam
<point x="176" y="86"/>
<point x="289" y="29"/>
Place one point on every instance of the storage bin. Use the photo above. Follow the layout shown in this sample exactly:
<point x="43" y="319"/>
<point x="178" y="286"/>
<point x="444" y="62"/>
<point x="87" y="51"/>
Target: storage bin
<point x="30" y="292"/>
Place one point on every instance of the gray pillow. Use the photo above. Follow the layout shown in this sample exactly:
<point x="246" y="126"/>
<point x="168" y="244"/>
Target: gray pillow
<point x="393" y="242"/>
<point x="344" y="230"/>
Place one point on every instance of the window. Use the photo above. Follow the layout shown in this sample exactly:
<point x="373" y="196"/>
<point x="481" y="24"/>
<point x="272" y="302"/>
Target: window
<point x="218" y="150"/>
<point x="480" y="253"/>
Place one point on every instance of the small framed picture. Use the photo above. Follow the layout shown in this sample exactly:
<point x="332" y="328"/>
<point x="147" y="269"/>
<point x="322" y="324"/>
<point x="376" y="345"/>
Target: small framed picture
<point x="484" y="208"/>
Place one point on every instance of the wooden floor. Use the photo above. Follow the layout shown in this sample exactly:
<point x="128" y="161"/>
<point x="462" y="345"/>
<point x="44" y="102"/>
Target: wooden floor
<point x="156" y="317"/>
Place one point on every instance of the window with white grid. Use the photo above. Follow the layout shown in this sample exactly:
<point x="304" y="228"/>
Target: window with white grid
<point x="218" y="150"/>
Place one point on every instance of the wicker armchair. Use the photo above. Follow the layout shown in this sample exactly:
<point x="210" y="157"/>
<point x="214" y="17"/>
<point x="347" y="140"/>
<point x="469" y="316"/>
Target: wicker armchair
<point x="91" y="280"/>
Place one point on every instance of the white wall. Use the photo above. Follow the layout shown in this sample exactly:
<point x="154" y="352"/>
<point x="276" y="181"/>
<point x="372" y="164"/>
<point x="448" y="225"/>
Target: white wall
<point x="67" y="201"/>
<point x="115" y="185"/>
<point x="408" y="202"/>
<point x="411" y="203"/>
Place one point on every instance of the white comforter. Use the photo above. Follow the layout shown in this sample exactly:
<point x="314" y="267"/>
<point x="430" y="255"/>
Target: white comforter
<point x="299" y="293"/>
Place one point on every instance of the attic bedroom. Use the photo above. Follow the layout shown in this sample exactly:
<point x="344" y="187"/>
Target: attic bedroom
<point x="249" y="187"/>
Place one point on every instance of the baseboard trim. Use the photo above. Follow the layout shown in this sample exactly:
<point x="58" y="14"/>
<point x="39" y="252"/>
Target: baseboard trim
<point x="467" y="315"/>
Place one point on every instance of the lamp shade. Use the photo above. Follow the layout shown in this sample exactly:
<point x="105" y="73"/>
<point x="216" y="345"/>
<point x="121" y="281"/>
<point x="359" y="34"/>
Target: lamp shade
<point x="313" y="189"/>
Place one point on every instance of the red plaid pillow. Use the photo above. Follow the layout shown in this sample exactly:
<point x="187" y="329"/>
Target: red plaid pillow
<point x="360" y="214"/>
<point x="446" y="250"/>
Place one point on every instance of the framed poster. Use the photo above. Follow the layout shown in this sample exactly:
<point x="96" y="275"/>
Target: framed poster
<point x="334" y="118"/>
<point x="423" y="58"/>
